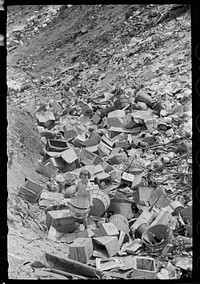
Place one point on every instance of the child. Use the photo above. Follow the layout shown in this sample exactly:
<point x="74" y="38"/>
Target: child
<point x="84" y="189"/>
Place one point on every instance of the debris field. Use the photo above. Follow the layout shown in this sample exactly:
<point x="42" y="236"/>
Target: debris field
<point x="106" y="88"/>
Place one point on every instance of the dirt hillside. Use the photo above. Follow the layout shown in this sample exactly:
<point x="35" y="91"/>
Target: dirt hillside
<point x="105" y="48"/>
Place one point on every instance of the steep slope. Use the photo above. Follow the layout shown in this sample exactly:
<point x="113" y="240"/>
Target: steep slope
<point x="104" y="47"/>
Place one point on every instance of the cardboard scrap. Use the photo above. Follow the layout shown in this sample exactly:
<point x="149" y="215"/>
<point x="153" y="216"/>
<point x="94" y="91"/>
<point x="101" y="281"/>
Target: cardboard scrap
<point x="145" y="217"/>
<point x="107" y="264"/>
<point x="109" y="243"/>
<point x="81" y="249"/>
<point x="124" y="130"/>
<point x="107" y="229"/>
<point x="163" y="217"/>
<point x="142" y="194"/>
<point x="69" y="155"/>
<point x="155" y="195"/>
<point x="44" y="116"/>
<point x="53" y="234"/>
<point x="184" y="262"/>
<point x="134" y="246"/>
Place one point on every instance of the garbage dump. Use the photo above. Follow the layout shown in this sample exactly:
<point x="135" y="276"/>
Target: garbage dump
<point x="116" y="162"/>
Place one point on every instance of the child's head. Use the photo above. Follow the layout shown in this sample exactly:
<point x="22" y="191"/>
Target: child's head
<point x="84" y="176"/>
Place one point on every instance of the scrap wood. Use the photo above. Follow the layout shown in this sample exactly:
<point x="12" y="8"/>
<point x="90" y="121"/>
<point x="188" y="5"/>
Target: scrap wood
<point x="171" y="164"/>
<point x="168" y="12"/>
<point x="24" y="212"/>
<point x="40" y="226"/>
<point x="164" y="91"/>
<point x="67" y="274"/>
<point x="120" y="198"/>
<point x="161" y="145"/>
<point x="39" y="238"/>
<point x="69" y="265"/>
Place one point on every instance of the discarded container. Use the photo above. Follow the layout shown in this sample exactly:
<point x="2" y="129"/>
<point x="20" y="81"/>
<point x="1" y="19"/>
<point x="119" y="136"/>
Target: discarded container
<point x="164" y="217"/>
<point x="79" y="207"/>
<point x="133" y="246"/>
<point x="143" y="97"/>
<point x="127" y="179"/>
<point x="57" y="162"/>
<point x="115" y="118"/>
<point x="105" y="111"/>
<point x="122" y="102"/>
<point x="45" y="118"/>
<point x="107" y="229"/>
<point x="141" y="229"/>
<point x="177" y="206"/>
<point x="56" y="145"/>
<point x="69" y="132"/>
<point x="53" y="208"/>
<point x="57" y="106"/>
<point x="101" y="202"/>
<point x="124" y="144"/>
<point x="61" y="220"/>
<point x="142" y="194"/>
<point x="143" y="267"/>
<point x="81" y="249"/>
<point x="144" y="217"/>
<point x="103" y="180"/>
<point x="96" y="118"/>
<point x="30" y="191"/>
<point x="87" y="157"/>
<point x="129" y="122"/>
<point x="120" y="222"/>
<point x="109" y="243"/>
<point x="157" y="107"/>
<point x="93" y="140"/>
<point x="46" y="169"/>
<point x="123" y="208"/>
<point x="156" y="237"/>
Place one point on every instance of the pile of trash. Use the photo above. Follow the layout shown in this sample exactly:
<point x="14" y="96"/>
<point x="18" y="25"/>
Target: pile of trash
<point x="41" y="17"/>
<point x="140" y="226"/>
<point x="121" y="109"/>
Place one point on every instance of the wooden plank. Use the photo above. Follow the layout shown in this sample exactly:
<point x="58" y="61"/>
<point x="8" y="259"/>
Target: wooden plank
<point x="66" y="274"/>
<point x="69" y="265"/>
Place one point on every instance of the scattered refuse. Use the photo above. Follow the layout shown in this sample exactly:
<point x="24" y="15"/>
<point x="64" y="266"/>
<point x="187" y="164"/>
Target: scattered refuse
<point x="133" y="139"/>
<point x="61" y="220"/>
<point x="143" y="267"/>
<point x="30" y="191"/>
<point x="108" y="243"/>
<point x="157" y="236"/>
<point x="81" y="249"/>
<point x="101" y="202"/>
<point x="120" y="222"/>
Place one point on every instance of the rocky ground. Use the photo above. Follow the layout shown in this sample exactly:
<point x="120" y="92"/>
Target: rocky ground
<point x="102" y="49"/>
